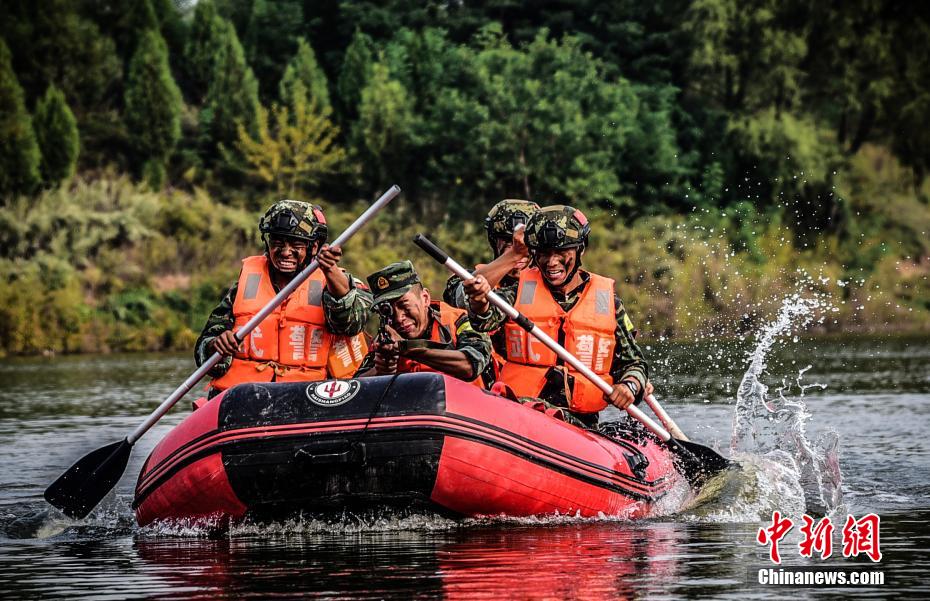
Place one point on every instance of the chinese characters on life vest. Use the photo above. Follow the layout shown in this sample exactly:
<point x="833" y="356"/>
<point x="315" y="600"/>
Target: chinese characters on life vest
<point x="860" y="537"/>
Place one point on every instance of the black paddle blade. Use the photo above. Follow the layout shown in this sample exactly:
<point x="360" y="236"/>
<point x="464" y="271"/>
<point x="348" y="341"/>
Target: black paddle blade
<point x="77" y="491"/>
<point x="696" y="462"/>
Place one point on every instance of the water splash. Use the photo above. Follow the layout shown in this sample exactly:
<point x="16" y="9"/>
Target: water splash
<point x="770" y="431"/>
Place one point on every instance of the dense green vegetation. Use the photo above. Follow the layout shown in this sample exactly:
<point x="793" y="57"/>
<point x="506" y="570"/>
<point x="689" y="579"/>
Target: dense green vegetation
<point x="722" y="150"/>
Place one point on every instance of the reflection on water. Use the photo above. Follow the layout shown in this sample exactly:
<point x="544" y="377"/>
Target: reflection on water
<point x="585" y="560"/>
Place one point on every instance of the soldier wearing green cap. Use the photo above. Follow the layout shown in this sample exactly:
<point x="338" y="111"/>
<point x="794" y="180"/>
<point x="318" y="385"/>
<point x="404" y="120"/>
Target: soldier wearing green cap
<point x="313" y="335"/>
<point x="422" y="334"/>
<point x="576" y="307"/>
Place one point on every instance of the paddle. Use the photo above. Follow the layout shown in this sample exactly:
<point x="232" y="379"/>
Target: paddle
<point x="77" y="491"/>
<point x="664" y="417"/>
<point x="696" y="462"/>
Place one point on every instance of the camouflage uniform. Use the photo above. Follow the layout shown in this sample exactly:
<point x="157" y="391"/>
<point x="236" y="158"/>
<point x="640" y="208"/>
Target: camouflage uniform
<point x="628" y="360"/>
<point x="344" y="316"/>
<point x="395" y="280"/>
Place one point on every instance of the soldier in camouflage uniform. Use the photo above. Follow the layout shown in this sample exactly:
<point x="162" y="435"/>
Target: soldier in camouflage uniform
<point x="575" y="307"/>
<point x="293" y="232"/>
<point x="421" y="334"/>
<point x="510" y="257"/>
<point x="504" y="225"/>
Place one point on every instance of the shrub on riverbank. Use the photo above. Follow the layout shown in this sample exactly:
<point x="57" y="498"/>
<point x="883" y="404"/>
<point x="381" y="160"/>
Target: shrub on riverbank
<point x="106" y="265"/>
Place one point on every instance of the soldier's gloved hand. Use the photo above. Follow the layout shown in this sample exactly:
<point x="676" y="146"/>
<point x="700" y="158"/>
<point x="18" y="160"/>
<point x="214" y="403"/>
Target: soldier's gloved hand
<point x="225" y="344"/>
<point x="385" y="357"/>
<point x="329" y="257"/>
<point x="477" y="289"/>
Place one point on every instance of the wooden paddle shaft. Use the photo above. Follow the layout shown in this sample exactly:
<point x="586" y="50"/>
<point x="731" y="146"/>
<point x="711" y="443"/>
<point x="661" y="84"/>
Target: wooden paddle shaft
<point x="198" y="375"/>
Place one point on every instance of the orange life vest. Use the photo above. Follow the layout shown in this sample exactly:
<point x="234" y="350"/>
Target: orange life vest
<point x="589" y="335"/>
<point x="448" y="315"/>
<point x="292" y="344"/>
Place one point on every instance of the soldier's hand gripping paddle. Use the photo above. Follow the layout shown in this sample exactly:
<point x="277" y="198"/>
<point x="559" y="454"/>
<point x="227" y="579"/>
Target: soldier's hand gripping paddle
<point x="77" y="491"/>
<point x="696" y="462"/>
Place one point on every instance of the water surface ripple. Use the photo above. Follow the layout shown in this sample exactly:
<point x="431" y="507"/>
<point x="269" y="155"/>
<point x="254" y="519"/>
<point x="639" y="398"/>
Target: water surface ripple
<point x="876" y="400"/>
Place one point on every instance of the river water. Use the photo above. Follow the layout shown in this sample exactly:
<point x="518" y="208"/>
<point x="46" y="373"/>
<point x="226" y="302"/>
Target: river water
<point x="855" y="444"/>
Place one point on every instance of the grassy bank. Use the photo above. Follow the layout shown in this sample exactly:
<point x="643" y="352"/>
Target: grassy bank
<point x="104" y="265"/>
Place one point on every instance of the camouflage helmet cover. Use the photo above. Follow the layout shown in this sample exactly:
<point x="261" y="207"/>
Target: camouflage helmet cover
<point x="557" y="226"/>
<point x="506" y="215"/>
<point x="295" y="218"/>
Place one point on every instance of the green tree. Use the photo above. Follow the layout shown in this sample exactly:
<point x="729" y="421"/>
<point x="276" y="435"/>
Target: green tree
<point x="746" y="56"/>
<point x="54" y="43"/>
<point x="153" y="106"/>
<point x="58" y="137"/>
<point x="124" y="21"/>
<point x="201" y="49"/>
<point x="384" y="129"/>
<point x="173" y="28"/>
<point x="557" y="128"/>
<point x="232" y="95"/>
<point x="19" y="152"/>
<point x="303" y="76"/>
<point x="354" y="75"/>
<point x="295" y="151"/>
<point x="270" y="40"/>
<point x="788" y="162"/>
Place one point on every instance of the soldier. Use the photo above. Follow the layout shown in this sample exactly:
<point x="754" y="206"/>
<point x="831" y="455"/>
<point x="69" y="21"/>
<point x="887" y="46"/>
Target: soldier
<point x="575" y="307"/>
<point x="505" y="237"/>
<point x="422" y="335"/>
<point x="314" y="334"/>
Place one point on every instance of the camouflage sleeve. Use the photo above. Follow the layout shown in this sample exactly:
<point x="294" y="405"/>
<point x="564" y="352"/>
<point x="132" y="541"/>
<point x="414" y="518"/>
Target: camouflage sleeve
<point x="475" y="345"/>
<point x="220" y="320"/>
<point x="349" y="314"/>
<point x="628" y="361"/>
<point x="494" y="318"/>
<point x="454" y="294"/>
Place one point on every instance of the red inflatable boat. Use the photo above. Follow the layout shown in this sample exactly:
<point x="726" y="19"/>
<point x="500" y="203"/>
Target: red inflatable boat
<point x="269" y="451"/>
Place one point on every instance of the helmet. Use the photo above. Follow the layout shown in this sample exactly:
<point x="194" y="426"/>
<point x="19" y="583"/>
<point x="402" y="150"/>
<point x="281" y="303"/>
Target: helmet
<point x="296" y="219"/>
<point x="505" y="216"/>
<point x="558" y="226"/>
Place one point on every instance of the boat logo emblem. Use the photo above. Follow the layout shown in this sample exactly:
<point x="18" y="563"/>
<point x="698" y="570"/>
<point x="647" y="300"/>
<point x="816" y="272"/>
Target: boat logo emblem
<point x="332" y="392"/>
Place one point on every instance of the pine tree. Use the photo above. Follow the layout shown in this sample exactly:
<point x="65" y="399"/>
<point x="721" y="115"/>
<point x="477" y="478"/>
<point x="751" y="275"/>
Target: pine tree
<point x="172" y="27"/>
<point x="153" y="106"/>
<point x="271" y="39"/>
<point x="201" y="49"/>
<point x="232" y="95"/>
<point x="354" y="76"/>
<point x="19" y="152"/>
<point x="57" y="133"/>
<point x="304" y="76"/>
<point x="56" y="44"/>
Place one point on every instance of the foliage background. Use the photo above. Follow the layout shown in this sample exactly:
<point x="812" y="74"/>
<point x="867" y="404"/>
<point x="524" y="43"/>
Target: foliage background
<point x="724" y="151"/>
